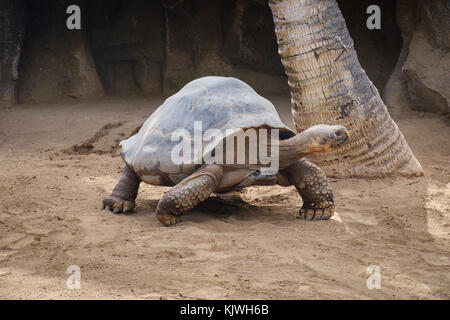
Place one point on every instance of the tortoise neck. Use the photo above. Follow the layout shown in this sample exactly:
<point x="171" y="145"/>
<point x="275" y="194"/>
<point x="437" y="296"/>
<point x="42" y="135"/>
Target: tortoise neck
<point x="293" y="149"/>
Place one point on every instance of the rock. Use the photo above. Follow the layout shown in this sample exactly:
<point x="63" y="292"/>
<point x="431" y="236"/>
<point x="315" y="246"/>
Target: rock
<point x="180" y="44"/>
<point x="128" y="45"/>
<point x="427" y="71"/>
<point x="395" y="93"/>
<point x="149" y="47"/>
<point x="435" y="21"/>
<point x="210" y="26"/>
<point x="56" y="62"/>
<point x="226" y="38"/>
<point x="377" y="50"/>
<point x="251" y="40"/>
<point x="13" y="20"/>
<point x="421" y="77"/>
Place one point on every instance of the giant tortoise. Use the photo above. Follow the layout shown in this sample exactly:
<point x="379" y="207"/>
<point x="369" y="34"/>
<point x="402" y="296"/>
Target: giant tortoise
<point x="228" y="106"/>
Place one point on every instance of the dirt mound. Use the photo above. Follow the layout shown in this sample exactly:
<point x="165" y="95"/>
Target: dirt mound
<point x="96" y="145"/>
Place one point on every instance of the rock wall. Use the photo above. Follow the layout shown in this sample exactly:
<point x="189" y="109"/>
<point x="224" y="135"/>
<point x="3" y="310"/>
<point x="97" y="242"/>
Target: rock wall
<point x="56" y="63"/>
<point x="127" y="40"/>
<point x="228" y="38"/>
<point x="377" y="49"/>
<point x="147" y="47"/>
<point x="134" y="47"/>
<point x="13" y="20"/>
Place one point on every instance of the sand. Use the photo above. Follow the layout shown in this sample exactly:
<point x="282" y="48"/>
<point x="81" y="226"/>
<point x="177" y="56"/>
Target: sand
<point x="58" y="161"/>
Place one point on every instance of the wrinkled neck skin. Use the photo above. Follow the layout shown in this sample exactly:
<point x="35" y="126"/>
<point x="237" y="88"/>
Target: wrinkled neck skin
<point x="297" y="147"/>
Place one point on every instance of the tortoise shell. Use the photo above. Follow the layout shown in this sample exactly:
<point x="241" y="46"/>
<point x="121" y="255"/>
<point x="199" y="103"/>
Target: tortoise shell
<point x="218" y="102"/>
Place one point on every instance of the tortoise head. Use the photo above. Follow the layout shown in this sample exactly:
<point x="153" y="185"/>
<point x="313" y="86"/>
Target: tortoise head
<point x="318" y="138"/>
<point x="324" y="137"/>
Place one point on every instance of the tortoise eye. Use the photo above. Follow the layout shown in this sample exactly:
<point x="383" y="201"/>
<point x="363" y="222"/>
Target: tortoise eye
<point x="338" y="133"/>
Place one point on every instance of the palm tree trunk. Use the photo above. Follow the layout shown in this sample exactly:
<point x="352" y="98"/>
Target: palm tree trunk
<point x="329" y="86"/>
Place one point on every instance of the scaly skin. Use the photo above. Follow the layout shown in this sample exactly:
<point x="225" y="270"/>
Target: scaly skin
<point x="188" y="193"/>
<point x="309" y="180"/>
<point x="312" y="185"/>
<point x="124" y="193"/>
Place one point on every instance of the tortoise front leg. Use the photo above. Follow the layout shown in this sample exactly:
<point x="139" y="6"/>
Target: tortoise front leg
<point x="188" y="193"/>
<point x="124" y="193"/>
<point x="312" y="185"/>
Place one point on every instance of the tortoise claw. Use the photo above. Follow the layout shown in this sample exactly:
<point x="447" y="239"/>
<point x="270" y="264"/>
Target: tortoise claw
<point x="321" y="212"/>
<point x="167" y="215"/>
<point x="117" y="209"/>
<point x="167" y="219"/>
<point x="117" y="205"/>
<point x="128" y="206"/>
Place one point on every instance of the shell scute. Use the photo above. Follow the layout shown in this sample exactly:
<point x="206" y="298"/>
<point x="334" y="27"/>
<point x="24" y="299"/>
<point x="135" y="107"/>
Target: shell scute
<point x="218" y="102"/>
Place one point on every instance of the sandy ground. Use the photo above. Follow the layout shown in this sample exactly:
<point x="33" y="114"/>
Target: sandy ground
<point x="244" y="247"/>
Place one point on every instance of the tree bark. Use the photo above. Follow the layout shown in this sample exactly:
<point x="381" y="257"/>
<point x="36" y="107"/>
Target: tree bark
<point x="329" y="86"/>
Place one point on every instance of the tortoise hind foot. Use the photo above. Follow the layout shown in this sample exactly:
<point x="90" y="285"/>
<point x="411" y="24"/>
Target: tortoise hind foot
<point x="121" y="199"/>
<point x="117" y="205"/>
<point x="320" y="211"/>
